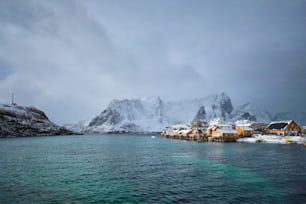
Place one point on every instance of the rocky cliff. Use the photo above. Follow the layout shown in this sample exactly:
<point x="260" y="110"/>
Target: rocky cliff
<point x="27" y="121"/>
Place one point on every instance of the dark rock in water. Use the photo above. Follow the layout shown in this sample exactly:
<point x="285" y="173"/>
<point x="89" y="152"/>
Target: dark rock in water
<point x="27" y="121"/>
<point x="200" y="116"/>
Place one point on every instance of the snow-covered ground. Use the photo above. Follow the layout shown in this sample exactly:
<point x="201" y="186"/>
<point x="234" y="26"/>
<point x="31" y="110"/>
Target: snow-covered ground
<point x="273" y="139"/>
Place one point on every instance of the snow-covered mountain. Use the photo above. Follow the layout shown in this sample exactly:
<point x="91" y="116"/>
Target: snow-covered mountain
<point x="299" y="117"/>
<point x="27" y="121"/>
<point x="249" y="112"/>
<point x="153" y="114"/>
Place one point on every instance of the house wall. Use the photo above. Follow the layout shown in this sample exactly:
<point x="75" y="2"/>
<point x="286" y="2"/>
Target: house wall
<point x="216" y="133"/>
<point x="241" y="132"/>
<point x="293" y="128"/>
<point x="230" y="136"/>
<point x="275" y="131"/>
<point x="209" y="132"/>
<point x="219" y="134"/>
<point x="196" y="133"/>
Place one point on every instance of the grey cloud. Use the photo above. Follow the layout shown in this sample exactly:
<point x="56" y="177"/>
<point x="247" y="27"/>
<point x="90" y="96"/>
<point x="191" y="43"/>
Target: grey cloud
<point x="72" y="57"/>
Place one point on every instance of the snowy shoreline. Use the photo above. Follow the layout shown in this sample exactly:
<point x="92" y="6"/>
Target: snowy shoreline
<point x="275" y="139"/>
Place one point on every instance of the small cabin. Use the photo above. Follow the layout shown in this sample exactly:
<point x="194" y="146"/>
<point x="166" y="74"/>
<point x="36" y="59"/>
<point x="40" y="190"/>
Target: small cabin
<point x="222" y="133"/>
<point x="289" y="127"/>
<point x="197" y="132"/>
<point x="197" y="135"/>
<point x="243" y="128"/>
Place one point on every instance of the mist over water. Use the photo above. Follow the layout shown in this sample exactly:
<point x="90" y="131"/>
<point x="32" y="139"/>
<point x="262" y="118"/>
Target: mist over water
<point x="142" y="169"/>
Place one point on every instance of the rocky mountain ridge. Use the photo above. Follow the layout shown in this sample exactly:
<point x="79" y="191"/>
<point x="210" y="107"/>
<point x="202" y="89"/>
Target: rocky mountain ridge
<point x="153" y="114"/>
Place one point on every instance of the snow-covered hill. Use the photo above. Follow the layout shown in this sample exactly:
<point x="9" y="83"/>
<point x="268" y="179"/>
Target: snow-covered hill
<point x="153" y="114"/>
<point x="27" y="121"/>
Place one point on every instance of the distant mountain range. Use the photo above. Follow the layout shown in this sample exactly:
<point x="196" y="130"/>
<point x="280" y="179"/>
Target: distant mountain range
<point x="154" y="114"/>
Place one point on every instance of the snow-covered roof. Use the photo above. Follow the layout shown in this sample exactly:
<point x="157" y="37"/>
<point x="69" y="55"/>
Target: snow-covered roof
<point x="180" y="126"/>
<point x="216" y="121"/>
<point x="245" y="128"/>
<point x="245" y="123"/>
<point x="184" y="131"/>
<point x="278" y="125"/>
<point x="281" y="121"/>
<point x="228" y="131"/>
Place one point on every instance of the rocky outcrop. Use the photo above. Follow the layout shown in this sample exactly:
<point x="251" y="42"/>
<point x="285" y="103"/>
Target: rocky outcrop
<point x="200" y="116"/>
<point x="224" y="103"/>
<point x="27" y="121"/>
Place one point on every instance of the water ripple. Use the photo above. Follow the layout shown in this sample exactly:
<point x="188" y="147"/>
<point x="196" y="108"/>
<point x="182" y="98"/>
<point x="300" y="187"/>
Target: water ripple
<point x="137" y="169"/>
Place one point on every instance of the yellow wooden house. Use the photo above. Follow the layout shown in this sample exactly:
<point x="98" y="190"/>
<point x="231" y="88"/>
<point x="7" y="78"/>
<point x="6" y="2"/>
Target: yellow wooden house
<point x="197" y="135"/>
<point x="222" y="133"/>
<point x="288" y="127"/>
<point x="244" y="131"/>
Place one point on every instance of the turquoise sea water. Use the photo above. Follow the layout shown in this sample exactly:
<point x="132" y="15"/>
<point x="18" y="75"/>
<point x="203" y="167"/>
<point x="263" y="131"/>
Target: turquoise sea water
<point x="141" y="169"/>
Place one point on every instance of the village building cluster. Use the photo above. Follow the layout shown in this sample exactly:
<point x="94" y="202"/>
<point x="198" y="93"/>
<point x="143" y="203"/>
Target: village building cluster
<point x="217" y="131"/>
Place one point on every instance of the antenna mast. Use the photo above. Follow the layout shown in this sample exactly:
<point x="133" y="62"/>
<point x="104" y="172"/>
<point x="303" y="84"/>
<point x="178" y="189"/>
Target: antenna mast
<point x="13" y="98"/>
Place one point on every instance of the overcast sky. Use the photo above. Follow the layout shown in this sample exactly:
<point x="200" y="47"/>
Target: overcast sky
<point x="71" y="58"/>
